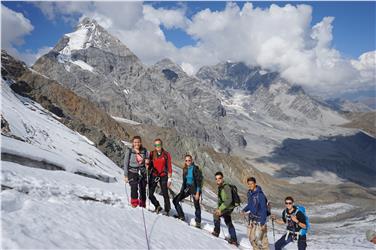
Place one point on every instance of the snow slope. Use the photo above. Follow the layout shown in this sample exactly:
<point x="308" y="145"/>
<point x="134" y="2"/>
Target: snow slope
<point x="44" y="210"/>
<point x="44" y="139"/>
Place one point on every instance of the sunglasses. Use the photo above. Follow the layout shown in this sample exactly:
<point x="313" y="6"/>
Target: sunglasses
<point x="157" y="145"/>
<point x="188" y="160"/>
<point x="288" y="203"/>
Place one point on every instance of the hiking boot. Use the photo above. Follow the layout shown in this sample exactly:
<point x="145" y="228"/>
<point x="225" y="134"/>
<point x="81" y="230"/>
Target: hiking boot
<point x="198" y="225"/>
<point x="215" y="234"/>
<point x="179" y="217"/>
<point x="135" y="202"/>
<point x="158" y="209"/>
<point x="166" y="213"/>
<point x="233" y="242"/>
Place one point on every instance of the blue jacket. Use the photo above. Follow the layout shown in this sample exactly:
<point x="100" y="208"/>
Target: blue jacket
<point x="192" y="178"/>
<point x="256" y="205"/>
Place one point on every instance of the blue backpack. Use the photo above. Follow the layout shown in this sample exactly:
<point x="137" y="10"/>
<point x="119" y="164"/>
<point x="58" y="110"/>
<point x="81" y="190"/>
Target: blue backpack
<point x="303" y="210"/>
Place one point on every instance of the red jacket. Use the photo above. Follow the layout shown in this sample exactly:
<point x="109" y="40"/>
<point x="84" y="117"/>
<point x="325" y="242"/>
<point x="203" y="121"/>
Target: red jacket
<point x="159" y="164"/>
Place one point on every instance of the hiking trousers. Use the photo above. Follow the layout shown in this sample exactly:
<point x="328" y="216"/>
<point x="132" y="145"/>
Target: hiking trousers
<point x="257" y="237"/>
<point x="181" y="196"/>
<point x="137" y="181"/>
<point x="302" y="242"/>
<point x="227" y="217"/>
<point x="153" y="182"/>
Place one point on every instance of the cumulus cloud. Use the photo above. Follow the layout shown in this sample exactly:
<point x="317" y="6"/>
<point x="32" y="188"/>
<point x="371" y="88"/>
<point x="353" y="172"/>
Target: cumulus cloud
<point x="275" y="38"/>
<point x="174" y="18"/>
<point x="14" y="27"/>
<point x="366" y="66"/>
<point x="66" y="10"/>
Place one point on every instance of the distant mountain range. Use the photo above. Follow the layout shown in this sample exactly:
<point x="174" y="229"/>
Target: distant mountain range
<point x="97" y="66"/>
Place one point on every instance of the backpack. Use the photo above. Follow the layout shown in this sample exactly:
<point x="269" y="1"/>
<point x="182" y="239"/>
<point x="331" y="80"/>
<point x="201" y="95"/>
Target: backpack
<point x="268" y="207"/>
<point x="303" y="210"/>
<point x="200" y="180"/>
<point x="235" y="196"/>
<point x="130" y="151"/>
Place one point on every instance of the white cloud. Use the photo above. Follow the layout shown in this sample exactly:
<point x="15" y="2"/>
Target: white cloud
<point x="66" y="9"/>
<point x="174" y="18"/>
<point x="366" y="65"/>
<point x="14" y="26"/>
<point x="188" y="68"/>
<point x="277" y="38"/>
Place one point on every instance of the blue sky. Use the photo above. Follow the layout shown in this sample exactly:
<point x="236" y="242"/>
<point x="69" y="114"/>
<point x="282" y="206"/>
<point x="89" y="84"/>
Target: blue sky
<point x="353" y="33"/>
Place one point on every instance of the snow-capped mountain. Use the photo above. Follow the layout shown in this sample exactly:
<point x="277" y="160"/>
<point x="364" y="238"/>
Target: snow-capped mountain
<point x="237" y="76"/>
<point x="163" y="94"/>
<point x="268" y="93"/>
<point x="289" y="134"/>
<point x="73" y="111"/>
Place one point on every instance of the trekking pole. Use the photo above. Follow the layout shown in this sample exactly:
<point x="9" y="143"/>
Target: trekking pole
<point x="147" y="187"/>
<point x="126" y="193"/>
<point x="273" y="230"/>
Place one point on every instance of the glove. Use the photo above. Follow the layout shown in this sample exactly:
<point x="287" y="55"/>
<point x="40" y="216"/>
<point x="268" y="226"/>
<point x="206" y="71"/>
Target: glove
<point x="169" y="182"/>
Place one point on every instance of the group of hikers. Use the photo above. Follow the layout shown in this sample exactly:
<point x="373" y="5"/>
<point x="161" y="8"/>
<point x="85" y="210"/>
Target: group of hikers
<point x="143" y="168"/>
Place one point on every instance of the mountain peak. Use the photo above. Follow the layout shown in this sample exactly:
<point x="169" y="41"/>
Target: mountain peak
<point x="168" y="64"/>
<point x="90" y="34"/>
<point x="165" y="62"/>
<point x="86" y="21"/>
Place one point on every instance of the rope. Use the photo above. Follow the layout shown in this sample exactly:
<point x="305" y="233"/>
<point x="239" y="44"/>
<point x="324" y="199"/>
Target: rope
<point x="273" y="230"/>
<point x="146" y="232"/>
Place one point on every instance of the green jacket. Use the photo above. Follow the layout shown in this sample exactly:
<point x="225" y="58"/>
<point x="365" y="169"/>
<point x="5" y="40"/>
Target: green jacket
<point x="225" y="198"/>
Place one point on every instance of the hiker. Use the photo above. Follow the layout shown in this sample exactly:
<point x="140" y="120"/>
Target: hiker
<point x="371" y="236"/>
<point x="296" y="221"/>
<point x="192" y="183"/>
<point x="225" y="208"/>
<point x="161" y="171"/>
<point x="257" y="208"/>
<point x="135" y="161"/>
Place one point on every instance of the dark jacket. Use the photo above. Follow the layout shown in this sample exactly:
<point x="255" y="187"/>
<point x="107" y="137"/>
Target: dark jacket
<point x="225" y="203"/>
<point x="197" y="179"/>
<point x="291" y="225"/>
<point x="256" y="205"/>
